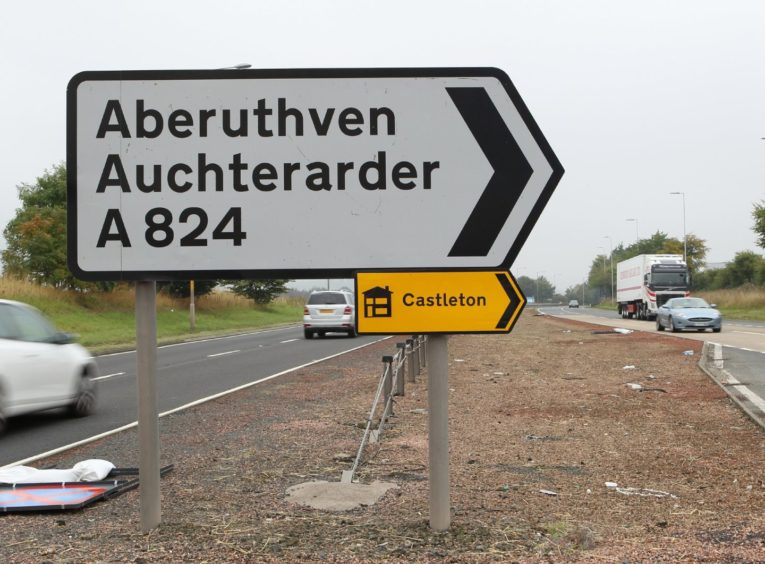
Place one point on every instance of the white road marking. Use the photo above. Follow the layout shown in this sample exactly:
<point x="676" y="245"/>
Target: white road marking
<point x="108" y="376"/>
<point x="288" y="341"/>
<point x="223" y="353"/>
<point x="718" y="357"/>
<point x="744" y="391"/>
<point x="195" y="341"/>
<point x="748" y="332"/>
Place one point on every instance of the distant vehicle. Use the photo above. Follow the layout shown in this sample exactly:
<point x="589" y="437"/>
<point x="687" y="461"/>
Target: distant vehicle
<point x="688" y="313"/>
<point x="573" y="303"/>
<point x="645" y="282"/>
<point x="329" y="311"/>
<point x="41" y="368"/>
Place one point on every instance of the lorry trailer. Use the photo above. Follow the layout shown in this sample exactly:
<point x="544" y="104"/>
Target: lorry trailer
<point x="645" y="282"/>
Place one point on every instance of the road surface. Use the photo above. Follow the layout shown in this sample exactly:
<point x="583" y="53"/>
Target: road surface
<point x="186" y="373"/>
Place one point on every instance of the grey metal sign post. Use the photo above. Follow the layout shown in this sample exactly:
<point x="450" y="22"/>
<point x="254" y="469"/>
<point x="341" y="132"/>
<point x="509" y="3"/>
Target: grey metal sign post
<point x="438" y="431"/>
<point x="148" y="416"/>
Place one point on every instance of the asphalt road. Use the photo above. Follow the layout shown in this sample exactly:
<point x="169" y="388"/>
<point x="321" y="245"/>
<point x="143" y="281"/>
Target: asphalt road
<point x="745" y="335"/>
<point x="186" y="373"/>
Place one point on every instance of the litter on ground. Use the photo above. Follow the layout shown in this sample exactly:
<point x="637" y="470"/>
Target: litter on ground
<point x="644" y="492"/>
<point x="27" y="489"/>
<point x="85" y="471"/>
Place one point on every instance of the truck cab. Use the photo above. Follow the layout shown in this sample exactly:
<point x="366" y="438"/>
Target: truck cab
<point x="666" y="281"/>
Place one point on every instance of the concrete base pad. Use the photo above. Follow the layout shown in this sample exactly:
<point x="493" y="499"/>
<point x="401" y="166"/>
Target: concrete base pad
<point x="336" y="496"/>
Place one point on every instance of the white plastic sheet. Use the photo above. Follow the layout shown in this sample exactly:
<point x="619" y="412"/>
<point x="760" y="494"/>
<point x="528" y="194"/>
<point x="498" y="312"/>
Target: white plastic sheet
<point x="85" y="471"/>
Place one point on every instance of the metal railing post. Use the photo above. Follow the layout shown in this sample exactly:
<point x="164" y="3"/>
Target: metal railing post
<point x="400" y="368"/>
<point x="424" y="345"/>
<point x="411" y="372"/>
<point x="388" y="385"/>
<point x="418" y="362"/>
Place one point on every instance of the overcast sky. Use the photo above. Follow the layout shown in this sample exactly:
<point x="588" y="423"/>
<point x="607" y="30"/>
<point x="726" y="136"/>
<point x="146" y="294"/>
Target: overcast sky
<point x="637" y="99"/>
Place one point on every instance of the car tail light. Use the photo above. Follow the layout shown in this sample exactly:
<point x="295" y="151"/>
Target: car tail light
<point x="305" y="311"/>
<point x="347" y="310"/>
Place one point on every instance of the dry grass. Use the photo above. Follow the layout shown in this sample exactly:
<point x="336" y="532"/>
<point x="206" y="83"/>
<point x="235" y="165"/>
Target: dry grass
<point x="105" y="320"/>
<point x="744" y="297"/>
<point x="121" y="298"/>
<point x="746" y="302"/>
<point x="14" y="287"/>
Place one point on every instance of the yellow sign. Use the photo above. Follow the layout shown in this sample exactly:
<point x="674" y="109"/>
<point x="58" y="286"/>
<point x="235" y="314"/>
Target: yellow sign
<point x="437" y="302"/>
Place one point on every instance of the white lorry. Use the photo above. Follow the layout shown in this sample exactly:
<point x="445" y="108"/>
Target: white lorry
<point x="645" y="282"/>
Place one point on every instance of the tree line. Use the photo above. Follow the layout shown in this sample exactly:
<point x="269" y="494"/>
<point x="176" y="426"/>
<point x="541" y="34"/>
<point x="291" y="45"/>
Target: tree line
<point x="746" y="268"/>
<point x="36" y="247"/>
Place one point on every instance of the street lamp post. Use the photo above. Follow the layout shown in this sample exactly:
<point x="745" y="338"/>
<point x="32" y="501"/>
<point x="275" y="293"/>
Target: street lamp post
<point x="637" y="238"/>
<point x="611" y="244"/>
<point x="685" y="238"/>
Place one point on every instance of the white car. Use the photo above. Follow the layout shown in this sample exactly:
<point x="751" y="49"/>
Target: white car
<point x="329" y="311"/>
<point x="40" y="367"/>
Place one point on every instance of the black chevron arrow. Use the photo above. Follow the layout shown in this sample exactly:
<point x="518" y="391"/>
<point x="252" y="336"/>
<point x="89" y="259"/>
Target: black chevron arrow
<point x="516" y="301"/>
<point x="511" y="172"/>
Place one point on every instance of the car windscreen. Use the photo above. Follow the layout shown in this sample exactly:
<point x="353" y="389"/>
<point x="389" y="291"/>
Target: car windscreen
<point x="327" y="298"/>
<point x="690" y="302"/>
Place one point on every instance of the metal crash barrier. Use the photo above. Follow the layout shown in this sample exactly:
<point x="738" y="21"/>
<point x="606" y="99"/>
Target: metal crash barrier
<point x="404" y="366"/>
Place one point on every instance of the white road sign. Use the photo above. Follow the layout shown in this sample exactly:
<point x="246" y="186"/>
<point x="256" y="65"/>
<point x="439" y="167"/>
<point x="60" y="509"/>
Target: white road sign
<point x="299" y="173"/>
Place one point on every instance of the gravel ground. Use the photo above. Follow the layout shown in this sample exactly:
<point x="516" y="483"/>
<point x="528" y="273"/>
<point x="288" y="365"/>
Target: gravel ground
<point x="540" y="420"/>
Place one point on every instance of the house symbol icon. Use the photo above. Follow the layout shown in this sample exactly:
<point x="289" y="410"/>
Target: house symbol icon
<point x="377" y="302"/>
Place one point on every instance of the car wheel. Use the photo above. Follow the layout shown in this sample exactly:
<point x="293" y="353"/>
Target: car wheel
<point x="717" y="330"/>
<point x="352" y="333"/>
<point x="321" y="334"/>
<point x="85" y="400"/>
<point x="659" y="326"/>
<point x="671" y="326"/>
<point x="308" y="334"/>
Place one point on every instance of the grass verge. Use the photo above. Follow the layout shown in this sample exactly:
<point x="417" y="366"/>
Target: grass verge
<point x="105" y="321"/>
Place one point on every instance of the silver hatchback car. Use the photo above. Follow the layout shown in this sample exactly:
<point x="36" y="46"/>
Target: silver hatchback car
<point x="329" y="311"/>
